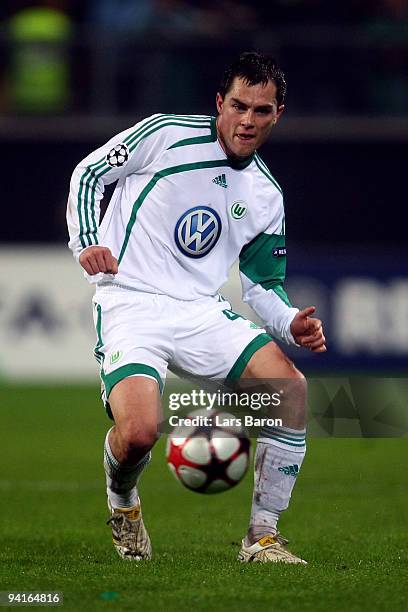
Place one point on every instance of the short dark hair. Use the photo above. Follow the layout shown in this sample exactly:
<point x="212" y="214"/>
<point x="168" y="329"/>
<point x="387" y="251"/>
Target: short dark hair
<point x="254" y="68"/>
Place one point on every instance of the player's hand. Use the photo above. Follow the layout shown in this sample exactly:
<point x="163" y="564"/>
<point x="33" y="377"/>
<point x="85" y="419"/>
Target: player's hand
<point x="307" y="331"/>
<point x="98" y="259"/>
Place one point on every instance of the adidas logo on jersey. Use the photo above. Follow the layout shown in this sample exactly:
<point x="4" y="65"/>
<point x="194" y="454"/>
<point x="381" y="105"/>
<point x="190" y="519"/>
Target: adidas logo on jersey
<point x="290" y="470"/>
<point x="220" y="180"/>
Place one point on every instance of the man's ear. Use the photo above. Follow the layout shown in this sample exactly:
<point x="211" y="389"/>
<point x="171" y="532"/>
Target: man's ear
<point x="279" y="112"/>
<point x="219" y="102"/>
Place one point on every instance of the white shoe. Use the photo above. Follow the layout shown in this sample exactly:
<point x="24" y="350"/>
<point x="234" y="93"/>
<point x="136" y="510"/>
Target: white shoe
<point x="269" y="549"/>
<point x="130" y="537"/>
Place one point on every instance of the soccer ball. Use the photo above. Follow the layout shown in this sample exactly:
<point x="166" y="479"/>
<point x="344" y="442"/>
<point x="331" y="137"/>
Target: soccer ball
<point x="208" y="458"/>
<point x="118" y="156"/>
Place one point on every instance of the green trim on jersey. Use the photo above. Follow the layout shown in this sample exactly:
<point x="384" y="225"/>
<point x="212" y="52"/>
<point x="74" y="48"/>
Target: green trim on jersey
<point x="212" y="137"/>
<point x="244" y="358"/>
<point x="258" y="263"/>
<point x="99" y="356"/>
<point x="152" y="183"/>
<point x="129" y="369"/>
<point x="192" y="141"/>
<point x="85" y="234"/>
<point x="265" y="170"/>
<point x="158" y="122"/>
<point x="214" y="129"/>
<point x="95" y="171"/>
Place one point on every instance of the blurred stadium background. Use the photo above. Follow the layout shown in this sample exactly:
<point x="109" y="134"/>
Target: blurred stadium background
<point x="75" y="72"/>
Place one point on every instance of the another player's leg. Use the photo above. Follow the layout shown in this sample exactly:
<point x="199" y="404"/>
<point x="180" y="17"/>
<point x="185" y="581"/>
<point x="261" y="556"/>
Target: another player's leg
<point x="135" y="405"/>
<point x="279" y="456"/>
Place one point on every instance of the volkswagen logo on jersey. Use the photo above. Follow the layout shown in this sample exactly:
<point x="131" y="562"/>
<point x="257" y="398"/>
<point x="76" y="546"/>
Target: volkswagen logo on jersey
<point x="197" y="231"/>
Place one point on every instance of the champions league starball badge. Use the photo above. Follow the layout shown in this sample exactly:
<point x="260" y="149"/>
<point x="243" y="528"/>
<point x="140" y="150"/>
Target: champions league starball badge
<point x="118" y="155"/>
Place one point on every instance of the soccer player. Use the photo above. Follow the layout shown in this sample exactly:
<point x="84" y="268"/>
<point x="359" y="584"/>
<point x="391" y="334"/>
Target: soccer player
<point x="192" y="196"/>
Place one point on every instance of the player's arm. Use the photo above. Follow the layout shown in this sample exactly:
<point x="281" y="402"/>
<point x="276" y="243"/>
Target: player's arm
<point x="128" y="152"/>
<point x="262" y="267"/>
<point x="102" y="167"/>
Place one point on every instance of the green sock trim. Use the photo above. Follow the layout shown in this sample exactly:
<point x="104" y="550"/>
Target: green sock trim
<point x="244" y="358"/>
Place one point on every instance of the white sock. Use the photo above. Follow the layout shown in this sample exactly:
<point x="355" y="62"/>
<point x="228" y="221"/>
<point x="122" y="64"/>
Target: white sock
<point x="121" y="480"/>
<point x="279" y="456"/>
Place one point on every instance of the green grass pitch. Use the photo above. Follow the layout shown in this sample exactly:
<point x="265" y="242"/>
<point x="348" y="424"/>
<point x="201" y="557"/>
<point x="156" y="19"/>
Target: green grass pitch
<point x="348" y="518"/>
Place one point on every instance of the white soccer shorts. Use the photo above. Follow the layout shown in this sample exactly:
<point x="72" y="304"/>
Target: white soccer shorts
<point x="143" y="334"/>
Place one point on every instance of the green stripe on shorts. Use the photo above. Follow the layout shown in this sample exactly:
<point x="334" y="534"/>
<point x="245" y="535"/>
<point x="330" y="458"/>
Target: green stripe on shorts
<point x="110" y="380"/>
<point x="244" y="358"/>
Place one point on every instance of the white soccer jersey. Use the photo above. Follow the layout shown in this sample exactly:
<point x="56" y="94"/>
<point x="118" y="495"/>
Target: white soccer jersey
<point x="181" y="214"/>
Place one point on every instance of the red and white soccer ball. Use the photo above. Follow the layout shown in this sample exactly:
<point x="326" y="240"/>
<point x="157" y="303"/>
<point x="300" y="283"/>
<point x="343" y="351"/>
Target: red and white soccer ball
<point x="209" y="458"/>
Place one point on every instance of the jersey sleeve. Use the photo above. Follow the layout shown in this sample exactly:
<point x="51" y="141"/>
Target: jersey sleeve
<point x="130" y="151"/>
<point x="262" y="266"/>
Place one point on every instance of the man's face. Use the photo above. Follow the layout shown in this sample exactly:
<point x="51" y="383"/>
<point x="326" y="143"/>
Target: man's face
<point x="246" y="116"/>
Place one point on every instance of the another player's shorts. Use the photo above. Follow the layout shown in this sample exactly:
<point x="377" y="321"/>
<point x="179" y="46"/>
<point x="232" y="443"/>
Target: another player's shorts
<point x="143" y="334"/>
